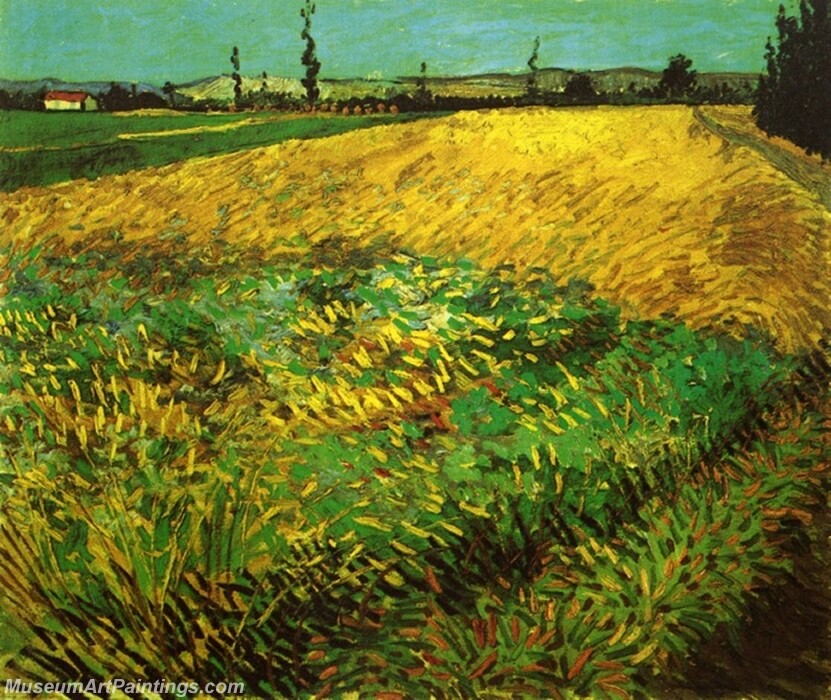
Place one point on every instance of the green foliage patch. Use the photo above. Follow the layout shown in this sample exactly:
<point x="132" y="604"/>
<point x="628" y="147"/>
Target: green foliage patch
<point x="397" y="476"/>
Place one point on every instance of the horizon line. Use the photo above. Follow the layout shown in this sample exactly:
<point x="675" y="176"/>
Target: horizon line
<point x="371" y="79"/>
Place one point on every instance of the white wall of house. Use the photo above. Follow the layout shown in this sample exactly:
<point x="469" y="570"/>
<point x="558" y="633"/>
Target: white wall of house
<point x="62" y="105"/>
<point x="89" y="105"/>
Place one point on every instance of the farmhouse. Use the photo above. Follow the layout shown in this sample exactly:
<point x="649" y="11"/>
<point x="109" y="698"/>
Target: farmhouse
<point x="69" y="101"/>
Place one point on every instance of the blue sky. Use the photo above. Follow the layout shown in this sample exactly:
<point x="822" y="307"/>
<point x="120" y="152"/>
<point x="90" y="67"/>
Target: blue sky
<point x="181" y="40"/>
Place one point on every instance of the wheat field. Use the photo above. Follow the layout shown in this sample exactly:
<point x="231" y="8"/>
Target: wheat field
<point x="244" y="434"/>
<point x="658" y="213"/>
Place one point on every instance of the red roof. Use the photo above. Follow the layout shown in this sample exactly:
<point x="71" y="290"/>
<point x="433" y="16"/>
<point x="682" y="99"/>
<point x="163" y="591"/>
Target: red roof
<point x="66" y="96"/>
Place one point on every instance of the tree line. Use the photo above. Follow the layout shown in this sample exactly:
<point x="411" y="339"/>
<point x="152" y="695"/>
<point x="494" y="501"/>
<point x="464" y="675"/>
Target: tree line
<point x="794" y="95"/>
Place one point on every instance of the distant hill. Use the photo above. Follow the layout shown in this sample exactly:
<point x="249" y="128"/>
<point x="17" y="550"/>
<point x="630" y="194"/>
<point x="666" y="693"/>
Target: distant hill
<point x="221" y="87"/>
<point x="508" y="84"/>
<point x="555" y="79"/>
<point x="95" y="87"/>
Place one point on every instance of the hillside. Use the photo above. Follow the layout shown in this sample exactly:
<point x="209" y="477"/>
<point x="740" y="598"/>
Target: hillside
<point x="221" y="87"/>
<point x="613" y="80"/>
<point x="95" y="87"/>
<point x="654" y="210"/>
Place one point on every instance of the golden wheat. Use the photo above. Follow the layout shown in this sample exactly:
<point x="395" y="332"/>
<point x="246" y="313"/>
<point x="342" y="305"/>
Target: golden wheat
<point x="657" y="212"/>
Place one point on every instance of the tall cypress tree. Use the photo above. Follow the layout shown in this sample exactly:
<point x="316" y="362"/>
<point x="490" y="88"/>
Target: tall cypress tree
<point x="309" y="58"/>
<point x="794" y="95"/>
<point x="531" y="87"/>
<point x="236" y="77"/>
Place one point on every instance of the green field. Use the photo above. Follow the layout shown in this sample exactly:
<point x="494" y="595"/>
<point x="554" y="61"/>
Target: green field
<point x="70" y="129"/>
<point x="41" y="149"/>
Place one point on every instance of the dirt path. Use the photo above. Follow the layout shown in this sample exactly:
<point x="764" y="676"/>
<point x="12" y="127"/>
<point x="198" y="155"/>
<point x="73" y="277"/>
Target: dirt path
<point x="228" y="126"/>
<point x="737" y="127"/>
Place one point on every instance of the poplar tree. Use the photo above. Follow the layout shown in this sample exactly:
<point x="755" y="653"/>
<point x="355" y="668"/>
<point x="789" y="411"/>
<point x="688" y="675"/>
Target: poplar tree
<point x="236" y="77"/>
<point x="531" y="87"/>
<point x="423" y="95"/>
<point x="309" y="57"/>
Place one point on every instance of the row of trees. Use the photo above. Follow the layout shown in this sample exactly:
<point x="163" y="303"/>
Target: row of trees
<point x="119" y="99"/>
<point x="678" y="83"/>
<point x="308" y="59"/>
<point x="794" y="96"/>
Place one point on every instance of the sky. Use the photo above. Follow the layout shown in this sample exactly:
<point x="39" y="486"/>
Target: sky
<point x="182" y="40"/>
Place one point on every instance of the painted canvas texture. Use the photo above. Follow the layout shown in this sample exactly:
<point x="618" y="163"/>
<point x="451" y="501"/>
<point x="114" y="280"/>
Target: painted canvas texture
<point x="385" y="349"/>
